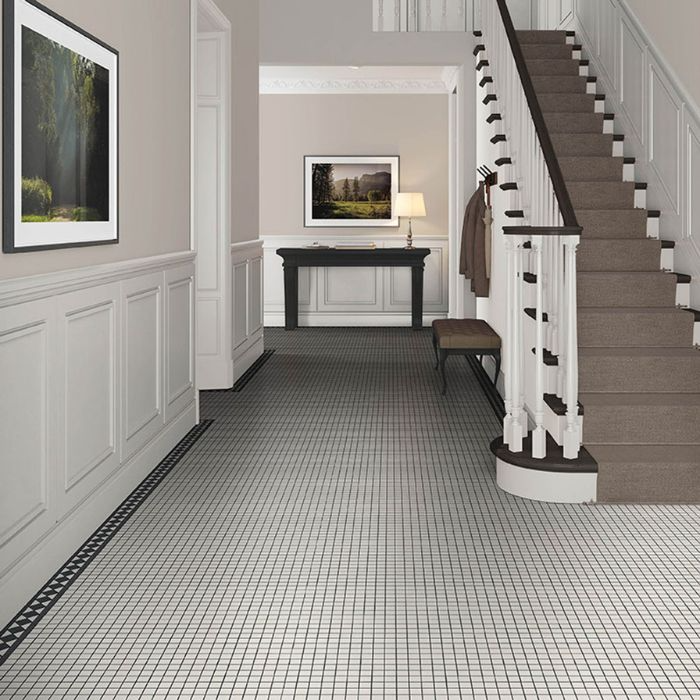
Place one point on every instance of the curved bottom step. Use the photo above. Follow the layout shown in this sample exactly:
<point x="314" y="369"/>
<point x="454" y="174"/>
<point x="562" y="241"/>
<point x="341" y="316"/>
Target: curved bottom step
<point x="552" y="479"/>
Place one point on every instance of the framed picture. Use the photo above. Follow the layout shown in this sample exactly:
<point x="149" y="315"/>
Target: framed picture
<point x="350" y="190"/>
<point x="60" y="132"/>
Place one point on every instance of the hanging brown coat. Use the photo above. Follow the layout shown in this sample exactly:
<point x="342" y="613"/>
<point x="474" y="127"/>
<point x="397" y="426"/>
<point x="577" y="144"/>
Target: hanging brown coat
<point x="472" y="262"/>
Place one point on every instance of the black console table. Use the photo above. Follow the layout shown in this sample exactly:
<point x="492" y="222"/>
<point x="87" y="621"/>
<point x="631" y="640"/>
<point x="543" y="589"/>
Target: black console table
<point x="294" y="258"/>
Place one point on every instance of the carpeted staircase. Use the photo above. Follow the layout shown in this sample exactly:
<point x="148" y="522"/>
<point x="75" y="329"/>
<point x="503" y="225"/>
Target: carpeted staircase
<point x="639" y="371"/>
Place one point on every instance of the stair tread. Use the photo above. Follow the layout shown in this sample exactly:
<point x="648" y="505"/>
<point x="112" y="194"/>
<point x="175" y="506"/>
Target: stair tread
<point x="647" y="454"/>
<point x="590" y="399"/>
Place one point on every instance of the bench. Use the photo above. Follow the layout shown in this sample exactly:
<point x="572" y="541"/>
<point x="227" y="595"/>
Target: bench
<point x="467" y="336"/>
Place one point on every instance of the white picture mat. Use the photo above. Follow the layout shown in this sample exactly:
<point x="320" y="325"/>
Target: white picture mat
<point x="310" y="161"/>
<point x="60" y="233"/>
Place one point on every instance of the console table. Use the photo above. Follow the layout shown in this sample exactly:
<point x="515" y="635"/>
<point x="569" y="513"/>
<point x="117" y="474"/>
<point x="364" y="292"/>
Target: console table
<point x="294" y="258"/>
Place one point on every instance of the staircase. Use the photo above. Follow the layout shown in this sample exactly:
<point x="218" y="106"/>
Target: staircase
<point x="639" y="374"/>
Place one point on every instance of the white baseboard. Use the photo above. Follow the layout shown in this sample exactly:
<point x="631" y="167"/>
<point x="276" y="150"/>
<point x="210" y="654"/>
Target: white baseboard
<point x="243" y="362"/>
<point x="214" y="373"/>
<point x="321" y="320"/>
<point x="49" y="554"/>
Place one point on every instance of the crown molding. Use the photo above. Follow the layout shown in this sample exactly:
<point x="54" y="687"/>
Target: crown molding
<point x="392" y="86"/>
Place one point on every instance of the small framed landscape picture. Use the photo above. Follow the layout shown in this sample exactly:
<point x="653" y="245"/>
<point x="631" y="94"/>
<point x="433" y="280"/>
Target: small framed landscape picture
<point x="350" y="191"/>
<point x="60" y="164"/>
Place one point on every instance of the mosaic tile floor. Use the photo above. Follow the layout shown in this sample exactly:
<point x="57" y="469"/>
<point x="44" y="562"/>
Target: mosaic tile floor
<point x="337" y="533"/>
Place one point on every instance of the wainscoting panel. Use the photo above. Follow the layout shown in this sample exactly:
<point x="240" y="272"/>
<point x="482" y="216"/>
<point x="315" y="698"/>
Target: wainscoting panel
<point x="240" y="304"/>
<point x="143" y="366"/>
<point x="247" y="274"/>
<point x="632" y="79"/>
<point x="24" y="418"/>
<point x="356" y="296"/>
<point x="179" y="352"/>
<point x="350" y="287"/>
<point x="96" y="387"/>
<point x="255" y="295"/>
<point x="665" y="132"/>
<point x="653" y="112"/>
<point x="88" y="340"/>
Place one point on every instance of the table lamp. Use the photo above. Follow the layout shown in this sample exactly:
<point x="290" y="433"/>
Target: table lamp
<point x="410" y="204"/>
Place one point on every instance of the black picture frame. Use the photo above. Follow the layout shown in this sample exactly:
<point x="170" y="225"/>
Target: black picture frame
<point x="82" y="222"/>
<point x="361" y="164"/>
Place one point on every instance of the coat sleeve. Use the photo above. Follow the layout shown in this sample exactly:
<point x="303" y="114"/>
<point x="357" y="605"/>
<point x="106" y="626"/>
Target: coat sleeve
<point x="467" y="260"/>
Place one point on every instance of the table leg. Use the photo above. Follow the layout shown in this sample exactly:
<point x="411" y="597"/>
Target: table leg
<point x="417" y="297"/>
<point x="291" y="297"/>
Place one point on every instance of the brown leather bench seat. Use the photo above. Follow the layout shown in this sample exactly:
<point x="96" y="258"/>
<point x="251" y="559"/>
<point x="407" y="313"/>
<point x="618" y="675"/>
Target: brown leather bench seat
<point x="466" y="336"/>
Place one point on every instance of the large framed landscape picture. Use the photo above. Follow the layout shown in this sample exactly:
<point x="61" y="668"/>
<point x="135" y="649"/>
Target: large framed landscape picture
<point x="60" y="167"/>
<point x="350" y="190"/>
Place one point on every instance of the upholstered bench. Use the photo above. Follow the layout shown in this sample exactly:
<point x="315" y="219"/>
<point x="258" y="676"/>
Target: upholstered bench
<point x="467" y="336"/>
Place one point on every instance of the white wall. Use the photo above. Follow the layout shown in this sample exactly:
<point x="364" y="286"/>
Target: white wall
<point x="323" y="32"/>
<point x="673" y="29"/>
<point x="414" y="127"/>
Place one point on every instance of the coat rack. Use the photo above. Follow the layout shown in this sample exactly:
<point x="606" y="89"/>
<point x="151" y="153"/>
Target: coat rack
<point x="490" y="179"/>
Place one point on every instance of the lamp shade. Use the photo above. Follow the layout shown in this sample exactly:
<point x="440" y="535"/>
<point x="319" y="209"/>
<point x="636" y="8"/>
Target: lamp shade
<point x="410" y="204"/>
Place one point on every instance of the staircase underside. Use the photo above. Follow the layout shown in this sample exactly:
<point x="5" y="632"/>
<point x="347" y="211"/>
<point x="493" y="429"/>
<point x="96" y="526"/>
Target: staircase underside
<point x="639" y="374"/>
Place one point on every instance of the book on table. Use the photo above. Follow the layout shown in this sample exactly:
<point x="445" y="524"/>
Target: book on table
<point x="355" y="245"/>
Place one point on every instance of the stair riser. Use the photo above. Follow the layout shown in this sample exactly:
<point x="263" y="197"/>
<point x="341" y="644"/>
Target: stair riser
<point x="553" y="67"/>
<point x="634" y="330"/>
<point x="591" y="169"/>
<point x="560" y="123"/>
<point x="566" y="84"/>
<point x="537" y="36"/>
<point x="626" y="291"/>
<point x="611" y="256"/>
<point x="573" y="145"/>
<point x="562" y="102"/>
<point x="602" y="195"/>
<point x="648" y="483"/>
<point x="616" y="224"/>
<point x="645" y="375"/>
<point x="542" y="51"/>
<point x="642" y="425"/>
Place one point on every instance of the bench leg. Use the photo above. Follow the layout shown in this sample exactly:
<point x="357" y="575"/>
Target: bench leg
<point x="497" y="355"/>
<point x="443" y="357"/>
<point x="435" y="350"/>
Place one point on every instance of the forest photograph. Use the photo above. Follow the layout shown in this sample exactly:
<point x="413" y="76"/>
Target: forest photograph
<point x="351" y="191"/>
<point x="64" y="134"/>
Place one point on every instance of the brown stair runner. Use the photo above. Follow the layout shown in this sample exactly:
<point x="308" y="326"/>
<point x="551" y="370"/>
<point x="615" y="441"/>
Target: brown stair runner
<point x="639" y="373"/>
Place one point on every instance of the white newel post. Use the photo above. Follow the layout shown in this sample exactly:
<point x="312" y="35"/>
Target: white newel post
<point x="572" y="440"/>
<point x="509" y="363"/>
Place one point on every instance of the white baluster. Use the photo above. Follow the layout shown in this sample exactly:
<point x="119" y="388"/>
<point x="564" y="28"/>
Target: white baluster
<point x="539" y="436"/>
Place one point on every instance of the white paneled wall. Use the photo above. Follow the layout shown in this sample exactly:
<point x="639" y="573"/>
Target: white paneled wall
<point x="660" y="123"/>
<point x="357" y="296"/>
<point x="247" y="283"/>
<point x="96" y="387"/>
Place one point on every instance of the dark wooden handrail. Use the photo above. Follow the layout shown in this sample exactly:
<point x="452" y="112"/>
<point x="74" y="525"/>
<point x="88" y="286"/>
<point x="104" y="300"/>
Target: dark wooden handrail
<point x="550" y="157"/>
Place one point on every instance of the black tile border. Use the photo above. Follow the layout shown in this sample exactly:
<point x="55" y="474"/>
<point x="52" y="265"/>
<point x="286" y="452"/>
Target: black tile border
<point x="22" y="624"/>
<point x="492" y="395"/>
<point x="249" y="373"/>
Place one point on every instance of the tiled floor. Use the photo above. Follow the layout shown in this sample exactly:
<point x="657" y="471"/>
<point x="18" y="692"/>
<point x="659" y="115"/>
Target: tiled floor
<point x="337" y="532"/>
